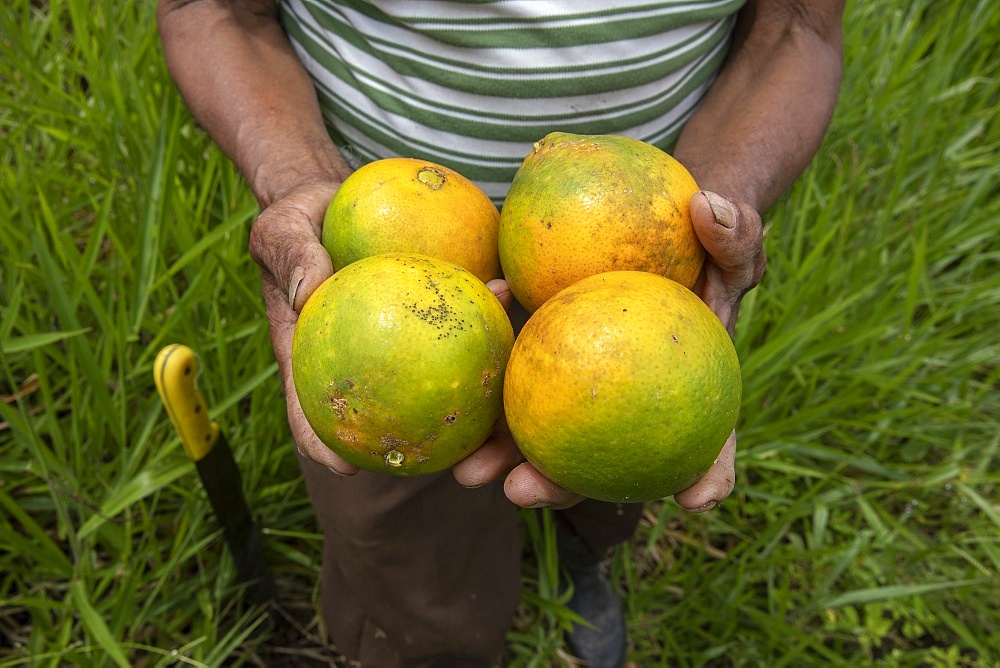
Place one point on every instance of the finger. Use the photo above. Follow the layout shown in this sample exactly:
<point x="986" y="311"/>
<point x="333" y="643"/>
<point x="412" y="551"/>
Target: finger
<point x="500" y="288"/>
<point x="716" y="485"/>
<point x="528" y="488"/>
<point x="285" y="241"/>
<point x="733" y="236"/>
<point x="491" y="461"/>
<point x="282" y="319"/>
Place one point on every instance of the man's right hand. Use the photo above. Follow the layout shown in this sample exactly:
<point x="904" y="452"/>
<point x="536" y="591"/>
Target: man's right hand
<point x="285" y="242"/>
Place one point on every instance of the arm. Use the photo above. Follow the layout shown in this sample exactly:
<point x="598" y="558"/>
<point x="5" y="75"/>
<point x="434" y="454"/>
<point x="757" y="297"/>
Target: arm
<point x="243" y="82"/>
<point x="765" y="115"/>
<point x="241" y="79"/>
<point x="757" y="129"/>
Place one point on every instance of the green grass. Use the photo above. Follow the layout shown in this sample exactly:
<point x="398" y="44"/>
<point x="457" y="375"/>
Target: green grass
<point x="865" y="527"/>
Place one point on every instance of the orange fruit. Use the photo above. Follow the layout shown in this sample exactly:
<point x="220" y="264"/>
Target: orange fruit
<point x="584" y="204"/>
<point x="623" y="387"/>
<point x="398" y="360"/>
<point x="410" y="205"/>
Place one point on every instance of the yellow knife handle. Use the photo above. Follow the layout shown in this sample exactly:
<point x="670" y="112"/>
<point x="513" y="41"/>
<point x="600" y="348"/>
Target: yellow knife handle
<point x="174" y="372"/>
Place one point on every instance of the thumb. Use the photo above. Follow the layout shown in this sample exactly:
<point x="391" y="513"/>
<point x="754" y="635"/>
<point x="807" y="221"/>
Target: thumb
<point x="502" y="291"/>
<point x="311" y="265"/>
<point x="731" y="232"/>
<point x="717" y="483"/>
<point x="286" y="244"/>
<point x="733" y="237"/>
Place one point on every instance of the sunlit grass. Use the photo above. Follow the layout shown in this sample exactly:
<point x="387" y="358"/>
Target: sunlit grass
<point x="864" y="527"/>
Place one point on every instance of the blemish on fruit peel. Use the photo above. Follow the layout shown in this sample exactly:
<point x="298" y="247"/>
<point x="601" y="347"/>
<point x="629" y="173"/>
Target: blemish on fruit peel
<point x="431" y="178"/>
<point x="394" y="458"/>
<point x="338" y="404"/>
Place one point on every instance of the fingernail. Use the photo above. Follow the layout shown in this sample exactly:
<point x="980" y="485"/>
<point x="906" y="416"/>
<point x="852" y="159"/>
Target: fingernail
<point x="723" y="211"/>
<point x="707" y="506"/>
<point x="293" y="289"/>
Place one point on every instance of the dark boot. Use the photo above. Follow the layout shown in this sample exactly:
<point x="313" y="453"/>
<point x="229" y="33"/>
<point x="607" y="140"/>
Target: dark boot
<point x="604" y="645"/>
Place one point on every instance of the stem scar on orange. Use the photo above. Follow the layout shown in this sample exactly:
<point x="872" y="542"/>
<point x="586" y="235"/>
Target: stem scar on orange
<point x="410" y="205"/>
<point x="623" y="387"/>
<point x="398" y="361"/>
<point x="584" y="204"/>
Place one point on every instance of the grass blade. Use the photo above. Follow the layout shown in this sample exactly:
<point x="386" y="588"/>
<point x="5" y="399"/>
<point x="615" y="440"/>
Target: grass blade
<point x="94" y="623"/>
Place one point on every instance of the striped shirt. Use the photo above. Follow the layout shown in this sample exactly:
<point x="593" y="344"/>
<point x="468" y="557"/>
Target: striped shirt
<point x="472" y="84"/>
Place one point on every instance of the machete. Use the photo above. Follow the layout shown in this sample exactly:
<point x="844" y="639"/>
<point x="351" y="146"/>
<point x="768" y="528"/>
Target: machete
<point x="174" y="372"/>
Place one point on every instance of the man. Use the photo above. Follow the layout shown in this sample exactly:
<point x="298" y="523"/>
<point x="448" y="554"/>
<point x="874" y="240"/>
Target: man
<point x="426" y="571"/>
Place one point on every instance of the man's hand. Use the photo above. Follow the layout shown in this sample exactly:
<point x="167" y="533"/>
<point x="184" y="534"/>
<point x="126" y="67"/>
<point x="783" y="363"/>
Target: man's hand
<point x="285" y="242"/>
<point x="733" y="238"/>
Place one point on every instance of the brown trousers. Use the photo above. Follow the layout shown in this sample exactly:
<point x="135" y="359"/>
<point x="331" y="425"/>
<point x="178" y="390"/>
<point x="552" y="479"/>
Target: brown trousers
<point x="423" y="572"/>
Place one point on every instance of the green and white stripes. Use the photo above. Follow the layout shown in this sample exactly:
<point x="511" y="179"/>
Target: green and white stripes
<point x="472" y="84"/>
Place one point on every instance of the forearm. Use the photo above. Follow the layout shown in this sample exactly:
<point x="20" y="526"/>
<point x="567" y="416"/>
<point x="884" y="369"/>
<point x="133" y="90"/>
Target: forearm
<point x="241" y="79"/>
<point x="764" y="117"/>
